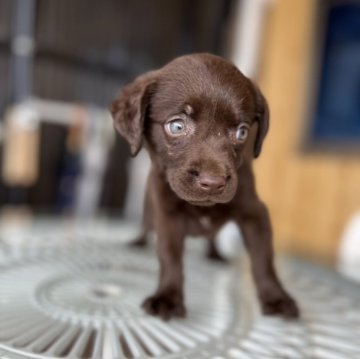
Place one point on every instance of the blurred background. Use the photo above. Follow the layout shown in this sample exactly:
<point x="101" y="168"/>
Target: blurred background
<point x="63" y="62"/>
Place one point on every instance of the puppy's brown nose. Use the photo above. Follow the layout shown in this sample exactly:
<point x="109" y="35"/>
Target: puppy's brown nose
<point x="211" y="184"/>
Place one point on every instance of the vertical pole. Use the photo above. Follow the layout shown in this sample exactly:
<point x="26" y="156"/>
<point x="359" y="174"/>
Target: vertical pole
<point x="22" y="47"/>
<point x="22" y="50"/>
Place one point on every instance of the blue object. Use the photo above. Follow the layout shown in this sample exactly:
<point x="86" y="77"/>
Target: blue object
<point x="337" y="111"/>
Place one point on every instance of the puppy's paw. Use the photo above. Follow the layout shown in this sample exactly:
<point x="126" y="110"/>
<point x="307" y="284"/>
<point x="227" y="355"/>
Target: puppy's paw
<point x="139" y="242"/>
<point x="165" y="306"/>
<point x="279" y="303"/>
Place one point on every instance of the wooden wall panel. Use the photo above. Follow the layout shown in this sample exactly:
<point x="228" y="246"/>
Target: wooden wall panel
<point x="311" y="196"/>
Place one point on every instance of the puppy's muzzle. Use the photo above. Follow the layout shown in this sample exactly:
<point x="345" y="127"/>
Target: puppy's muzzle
<point x="208" y="183"/>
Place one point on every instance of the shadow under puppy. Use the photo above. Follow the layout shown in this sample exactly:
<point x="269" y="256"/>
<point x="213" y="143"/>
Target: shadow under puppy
<point x="202" y="122"/>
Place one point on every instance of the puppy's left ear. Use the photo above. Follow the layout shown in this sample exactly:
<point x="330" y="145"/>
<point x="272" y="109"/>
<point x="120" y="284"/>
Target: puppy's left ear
<point x="262" y="118"/>
<point x="129" y="109"/>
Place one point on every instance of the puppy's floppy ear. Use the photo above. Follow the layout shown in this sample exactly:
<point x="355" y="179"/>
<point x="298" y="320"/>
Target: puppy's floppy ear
<point x="129" y="109"/>
<point x="262" y="118"/>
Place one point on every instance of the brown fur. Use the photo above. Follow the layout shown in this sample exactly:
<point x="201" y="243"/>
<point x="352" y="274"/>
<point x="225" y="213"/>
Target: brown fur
<point x="204" y="173"/>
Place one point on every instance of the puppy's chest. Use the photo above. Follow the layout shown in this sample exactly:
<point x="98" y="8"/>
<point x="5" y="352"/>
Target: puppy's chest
<point x="200" y="225"/>
<point x="205" y="222"/>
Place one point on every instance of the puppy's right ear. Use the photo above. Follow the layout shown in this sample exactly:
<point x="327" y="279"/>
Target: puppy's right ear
<point x="129" y="109"/>
<point x="262" y="118"/>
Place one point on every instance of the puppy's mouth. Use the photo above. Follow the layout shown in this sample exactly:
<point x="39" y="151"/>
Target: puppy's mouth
<point x="206" y="203"/>
<point x="205" y="194"/>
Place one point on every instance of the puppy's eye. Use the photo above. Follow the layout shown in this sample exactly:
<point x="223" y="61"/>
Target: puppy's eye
<point x="175" y="127"/>
<point x="242" y="133"/>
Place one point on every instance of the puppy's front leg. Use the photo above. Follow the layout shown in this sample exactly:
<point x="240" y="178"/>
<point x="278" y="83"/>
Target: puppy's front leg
<point x="168" y="300"/>
<point x="255" y="225"/>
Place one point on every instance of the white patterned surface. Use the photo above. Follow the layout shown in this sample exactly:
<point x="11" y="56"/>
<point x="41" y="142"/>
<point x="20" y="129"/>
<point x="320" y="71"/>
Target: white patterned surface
<point x="76" y="293"/>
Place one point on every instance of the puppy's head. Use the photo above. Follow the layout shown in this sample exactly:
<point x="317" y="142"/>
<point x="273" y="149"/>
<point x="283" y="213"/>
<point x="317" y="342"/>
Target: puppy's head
<point x="196" y="117"/>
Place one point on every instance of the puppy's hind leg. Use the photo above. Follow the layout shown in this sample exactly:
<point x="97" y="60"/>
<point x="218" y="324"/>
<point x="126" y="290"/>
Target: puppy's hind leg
<point x="147" y="222"/>
<point x="212" y="252"/>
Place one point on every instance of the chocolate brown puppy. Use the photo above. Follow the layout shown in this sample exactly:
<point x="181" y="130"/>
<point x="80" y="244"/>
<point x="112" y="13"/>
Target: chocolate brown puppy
<point x="202" y="122"/>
